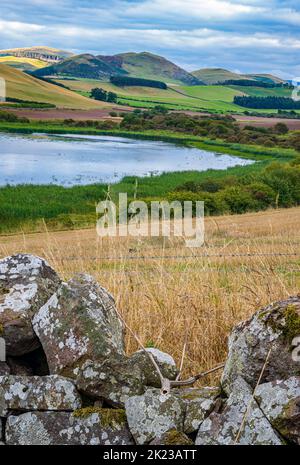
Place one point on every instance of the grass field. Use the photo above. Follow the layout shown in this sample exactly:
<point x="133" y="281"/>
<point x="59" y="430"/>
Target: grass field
<point x="197" y="98"/>
<point x="215" y="99"/>
<point x="24" y="87"/>
<point x="167" y="300"/>
<point x="263" y="92"/>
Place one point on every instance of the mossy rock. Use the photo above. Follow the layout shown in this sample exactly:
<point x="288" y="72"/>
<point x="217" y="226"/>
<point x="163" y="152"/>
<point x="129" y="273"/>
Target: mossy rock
<point x="268" y="335"/>
<point x="108" y="417"/>
<point x="172" y="438"/>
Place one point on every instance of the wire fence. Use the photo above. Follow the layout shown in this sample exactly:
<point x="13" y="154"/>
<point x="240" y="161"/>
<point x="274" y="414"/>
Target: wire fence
<point x="181" y="257"/>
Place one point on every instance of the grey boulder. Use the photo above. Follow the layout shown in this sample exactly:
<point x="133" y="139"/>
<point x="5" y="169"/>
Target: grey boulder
<point x="153" y="414"/>
<point x="113" y="380"/>
<point x="80" y="322"/>
<point x="199" y="404"/>
<point x="165" y="362"/>
<point x="26" y="284"/>
<point x="269" y="334"/>
<point x="280" y="402"/>
<point x="240" y="421"/>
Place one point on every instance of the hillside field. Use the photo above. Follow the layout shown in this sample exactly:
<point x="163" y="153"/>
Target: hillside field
<point x="22" y="63"/>
<point x="196" y="295"/>
<point x="24" y="87"/>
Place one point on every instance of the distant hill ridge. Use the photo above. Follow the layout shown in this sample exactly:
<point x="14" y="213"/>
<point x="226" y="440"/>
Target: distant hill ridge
<point x="82" y="66"/>
<point x="46" y="54"/>
<point x="212" y="76"/>
<point x="142" y="65"/>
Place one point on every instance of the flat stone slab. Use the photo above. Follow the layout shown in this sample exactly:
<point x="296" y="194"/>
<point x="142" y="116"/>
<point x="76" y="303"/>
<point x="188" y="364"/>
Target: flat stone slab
<point x="25" y="393"/>
<point x="83" y="427"/>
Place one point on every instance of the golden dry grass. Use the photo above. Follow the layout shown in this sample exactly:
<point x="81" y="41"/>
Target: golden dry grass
<point x="165" y="300"/>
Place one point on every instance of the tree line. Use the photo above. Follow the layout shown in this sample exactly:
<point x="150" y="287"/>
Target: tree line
<point x="252" y="83"/>
<point x="270" y="102"/>
<point x="122" y="81"/>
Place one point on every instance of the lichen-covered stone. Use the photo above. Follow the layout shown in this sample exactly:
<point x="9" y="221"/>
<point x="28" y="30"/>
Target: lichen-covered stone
<point x="79" y="323"/>
<point x="273" y="327"/>
<point x="199" y="404"/>
<point x="240" y="421"/>
<point x="153" y="414"/>
<point x="83" y="427"/>
<point x="26" y="284"/>
<point x="172" y="438"/>
<point x="165" y="362"/>
<point x="113" y="380"/>
<point x="280" y="402"/>
<point x="37" y="393"/>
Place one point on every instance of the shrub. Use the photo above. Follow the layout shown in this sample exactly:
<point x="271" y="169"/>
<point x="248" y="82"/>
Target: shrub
<point x="281" y="128"/>
<point x="263" y="194"/>
<point x="238" y="199"/>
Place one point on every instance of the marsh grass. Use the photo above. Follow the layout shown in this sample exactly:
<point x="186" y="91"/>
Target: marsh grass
<point x="27" y="206"/>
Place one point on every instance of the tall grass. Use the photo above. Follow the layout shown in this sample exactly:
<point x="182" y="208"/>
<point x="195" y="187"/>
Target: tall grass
<point x="164" y="299"/>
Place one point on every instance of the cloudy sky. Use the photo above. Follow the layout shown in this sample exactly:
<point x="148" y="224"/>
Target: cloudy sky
<point x="240" y="35"/>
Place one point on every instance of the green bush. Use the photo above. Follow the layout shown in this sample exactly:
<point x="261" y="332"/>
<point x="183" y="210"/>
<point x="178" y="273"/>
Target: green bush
<point x="238" y="199"/>
<point x="263" y="194"/>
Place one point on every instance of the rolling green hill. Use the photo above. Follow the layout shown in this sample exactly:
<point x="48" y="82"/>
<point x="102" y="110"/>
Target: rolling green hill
<point x="220" y="75"/>
<point x="149" y="66"/>
<point x="142" y="65"/>
<point x="268" y="78"/>
<point x="82" y="66"/>
<point x="216" y="75"/>
<point x="24" y="87"/>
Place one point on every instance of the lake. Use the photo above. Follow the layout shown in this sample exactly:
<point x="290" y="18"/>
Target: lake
<point x="70" y="160"/>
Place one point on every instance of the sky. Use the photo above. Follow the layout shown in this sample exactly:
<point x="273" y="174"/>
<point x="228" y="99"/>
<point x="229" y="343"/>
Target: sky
<point x="240" y="35"/>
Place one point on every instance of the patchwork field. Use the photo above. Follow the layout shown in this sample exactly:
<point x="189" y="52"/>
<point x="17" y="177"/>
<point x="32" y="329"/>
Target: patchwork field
<point x="215" y="99"/>
<point x="193" y="295"/>
<point x="197" y="98"/>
